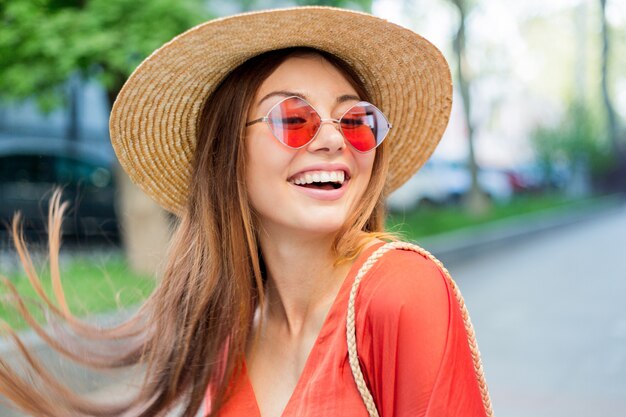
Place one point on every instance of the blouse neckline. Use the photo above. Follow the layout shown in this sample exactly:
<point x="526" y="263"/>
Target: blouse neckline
<point x="325" y="330"/>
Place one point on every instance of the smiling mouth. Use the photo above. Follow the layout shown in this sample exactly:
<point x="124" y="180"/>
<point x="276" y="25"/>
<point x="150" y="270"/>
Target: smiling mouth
<point x="321" y="180"/>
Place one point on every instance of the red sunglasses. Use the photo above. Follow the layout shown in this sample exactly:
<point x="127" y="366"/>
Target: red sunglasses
<point x="295" y="123"/>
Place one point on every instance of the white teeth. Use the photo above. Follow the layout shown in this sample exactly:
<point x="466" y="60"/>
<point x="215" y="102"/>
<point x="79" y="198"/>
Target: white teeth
<point x="319" y="176"/>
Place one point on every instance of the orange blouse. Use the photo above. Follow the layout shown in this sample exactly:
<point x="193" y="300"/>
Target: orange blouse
<point x="411" y="341"/>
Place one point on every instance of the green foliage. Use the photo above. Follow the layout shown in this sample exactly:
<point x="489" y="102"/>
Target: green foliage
<point x="579" y="138"/>
<point x="363" y="5"/>
<point x="430" y="221"/>
<point x="44" y="41"/>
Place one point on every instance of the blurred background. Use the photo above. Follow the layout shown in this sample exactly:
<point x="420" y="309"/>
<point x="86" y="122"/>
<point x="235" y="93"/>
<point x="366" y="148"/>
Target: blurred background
<point x="523" y="200"/>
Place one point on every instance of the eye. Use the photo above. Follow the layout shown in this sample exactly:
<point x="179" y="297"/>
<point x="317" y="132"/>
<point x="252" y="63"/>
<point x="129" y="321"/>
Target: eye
<point x="352" y="122"/>
<point x="293" y="120"/>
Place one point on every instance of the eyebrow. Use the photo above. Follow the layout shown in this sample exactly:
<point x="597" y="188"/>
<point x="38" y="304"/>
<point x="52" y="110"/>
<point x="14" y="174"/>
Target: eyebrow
<point x="283" y="93"/>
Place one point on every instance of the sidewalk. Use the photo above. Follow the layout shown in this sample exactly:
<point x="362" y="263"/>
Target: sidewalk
<point x="460" y="244"/>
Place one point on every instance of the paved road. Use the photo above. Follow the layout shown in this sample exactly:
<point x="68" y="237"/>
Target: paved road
<point x="550" y="315"/>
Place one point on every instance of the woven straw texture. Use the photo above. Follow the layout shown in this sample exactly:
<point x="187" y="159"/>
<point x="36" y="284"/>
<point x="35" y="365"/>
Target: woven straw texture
<point x="351" y="330"/>
<point x="154" y="121"/>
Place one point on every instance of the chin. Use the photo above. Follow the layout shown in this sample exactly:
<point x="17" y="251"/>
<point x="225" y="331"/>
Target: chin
<point x="324" y="228"/>
<point x="321" y="224"/>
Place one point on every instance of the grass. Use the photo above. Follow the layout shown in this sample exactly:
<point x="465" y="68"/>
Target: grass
<point x="91" y="286"/>
<point x="430" y="221"/>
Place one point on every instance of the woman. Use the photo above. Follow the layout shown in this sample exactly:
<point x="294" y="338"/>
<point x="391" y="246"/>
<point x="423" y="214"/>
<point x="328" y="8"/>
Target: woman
<point x="259" y="133"/>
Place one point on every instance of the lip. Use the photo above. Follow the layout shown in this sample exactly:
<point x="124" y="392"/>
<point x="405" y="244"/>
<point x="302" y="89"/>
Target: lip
<point x="323" y="167"/>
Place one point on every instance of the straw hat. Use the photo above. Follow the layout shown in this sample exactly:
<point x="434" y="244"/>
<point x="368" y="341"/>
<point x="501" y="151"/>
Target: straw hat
<point x="154" y="123"/>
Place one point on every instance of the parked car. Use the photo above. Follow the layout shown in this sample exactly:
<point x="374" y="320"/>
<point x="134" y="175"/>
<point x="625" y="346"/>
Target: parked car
<point x="30" y="171"/>
<point x="434" y="184"/>
<point x="531" y="178"/>
<point x="441" y="182"/>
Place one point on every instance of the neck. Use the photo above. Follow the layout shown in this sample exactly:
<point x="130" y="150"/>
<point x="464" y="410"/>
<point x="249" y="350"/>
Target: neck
<point x="302" y="281"/>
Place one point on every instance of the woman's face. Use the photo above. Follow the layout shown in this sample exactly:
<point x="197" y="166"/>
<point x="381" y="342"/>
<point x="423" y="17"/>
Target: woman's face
<point x="273" y="169"/>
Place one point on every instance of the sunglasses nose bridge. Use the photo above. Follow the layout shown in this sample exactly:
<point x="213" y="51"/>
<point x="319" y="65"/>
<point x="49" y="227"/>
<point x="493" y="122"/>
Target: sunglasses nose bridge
<point x="335" y="122"/>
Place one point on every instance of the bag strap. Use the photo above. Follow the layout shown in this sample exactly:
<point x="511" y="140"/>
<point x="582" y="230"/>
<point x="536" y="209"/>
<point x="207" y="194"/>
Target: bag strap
<point x="351" y="330"/>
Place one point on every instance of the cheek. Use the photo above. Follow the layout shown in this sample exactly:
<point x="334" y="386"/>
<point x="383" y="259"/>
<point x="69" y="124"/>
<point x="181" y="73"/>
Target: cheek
<point x="365" y="163"/>
<point x="266" y="169"/>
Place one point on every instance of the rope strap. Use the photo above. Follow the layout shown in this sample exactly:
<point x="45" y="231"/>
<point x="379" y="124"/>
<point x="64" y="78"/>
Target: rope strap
<point x="351" y="330"/>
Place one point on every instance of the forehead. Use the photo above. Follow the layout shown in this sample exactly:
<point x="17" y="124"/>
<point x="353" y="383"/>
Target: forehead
<point x="311" y="75"/>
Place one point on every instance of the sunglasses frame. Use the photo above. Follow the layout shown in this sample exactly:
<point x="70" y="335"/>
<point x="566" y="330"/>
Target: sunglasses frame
<point x="266" y="119"/>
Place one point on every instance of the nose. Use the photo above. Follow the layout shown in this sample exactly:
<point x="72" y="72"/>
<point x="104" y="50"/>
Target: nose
<point x="329" y="138"/>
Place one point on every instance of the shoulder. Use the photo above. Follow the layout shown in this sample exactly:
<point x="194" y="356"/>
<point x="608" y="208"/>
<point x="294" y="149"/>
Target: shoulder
<point x="412" y="341"/>
<point x="403" y="313"/>
<point x="404" y="281"/>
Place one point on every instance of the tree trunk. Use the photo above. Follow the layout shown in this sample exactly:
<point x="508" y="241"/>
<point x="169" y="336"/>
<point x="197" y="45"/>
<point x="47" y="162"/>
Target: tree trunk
<point x="476" y="201"/>
<point x="144" y="226"/>
<point x="612" y="125"/>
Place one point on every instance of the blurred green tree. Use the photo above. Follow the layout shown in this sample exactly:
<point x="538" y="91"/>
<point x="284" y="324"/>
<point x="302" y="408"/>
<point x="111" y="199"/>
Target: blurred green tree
<point x="363" y="5"/>
<point x="578" y="142"/>
<point x="43" y="42"/>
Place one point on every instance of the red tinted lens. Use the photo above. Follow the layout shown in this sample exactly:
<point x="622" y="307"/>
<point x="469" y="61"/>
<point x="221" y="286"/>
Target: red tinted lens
<point x="294" y="122"/>
<point x="364" y="126"/>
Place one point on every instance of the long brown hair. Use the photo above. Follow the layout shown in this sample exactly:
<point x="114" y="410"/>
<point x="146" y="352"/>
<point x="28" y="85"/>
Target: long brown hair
<point x="191" y="333"/>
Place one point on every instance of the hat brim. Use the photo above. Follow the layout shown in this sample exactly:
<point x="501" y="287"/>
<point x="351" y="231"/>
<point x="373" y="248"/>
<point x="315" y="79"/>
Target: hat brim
<point x="153" y="123"/>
